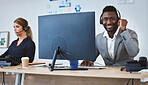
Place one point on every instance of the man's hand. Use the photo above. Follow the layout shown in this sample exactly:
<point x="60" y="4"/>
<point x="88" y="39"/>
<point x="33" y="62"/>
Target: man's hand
<point x="87" y="63"/>
<point x="122" y="23"/>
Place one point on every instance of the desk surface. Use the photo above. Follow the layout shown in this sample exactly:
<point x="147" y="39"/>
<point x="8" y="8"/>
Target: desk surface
<point x="144" y="75"/>
<point x="110" y="72"/>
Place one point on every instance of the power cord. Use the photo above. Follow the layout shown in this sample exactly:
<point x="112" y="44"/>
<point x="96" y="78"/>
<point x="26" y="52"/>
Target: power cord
<point x="3" y="82"/>
<point x="122" y="68"/>
<point x="67" y="57"/>
<point x="132" y="81"/>
<point x="129" y="81"/>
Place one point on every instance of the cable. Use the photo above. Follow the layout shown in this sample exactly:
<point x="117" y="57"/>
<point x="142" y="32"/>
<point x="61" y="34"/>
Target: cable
<point x="69" y="54"/>
<point x="132" y="81"/>
<point x="128" y="81"/>
<point x="122" y="68"/>
<point x="67" y="57"/>
<point x="74" y="57"/>
<point x="3" y="82"/>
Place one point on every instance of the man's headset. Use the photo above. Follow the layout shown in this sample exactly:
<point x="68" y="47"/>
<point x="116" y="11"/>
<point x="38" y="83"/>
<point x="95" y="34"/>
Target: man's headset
<point x="118" y="16"/>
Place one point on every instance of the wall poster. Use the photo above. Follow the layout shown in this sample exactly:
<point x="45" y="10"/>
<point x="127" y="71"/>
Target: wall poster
<point x="4" y="39"/>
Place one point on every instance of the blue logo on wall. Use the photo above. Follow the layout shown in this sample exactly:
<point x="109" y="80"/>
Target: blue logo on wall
<point x="78" y="8"/>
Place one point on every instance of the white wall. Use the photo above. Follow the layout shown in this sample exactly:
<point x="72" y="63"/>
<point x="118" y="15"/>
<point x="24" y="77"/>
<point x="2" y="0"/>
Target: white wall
<point x="136" y="14"/>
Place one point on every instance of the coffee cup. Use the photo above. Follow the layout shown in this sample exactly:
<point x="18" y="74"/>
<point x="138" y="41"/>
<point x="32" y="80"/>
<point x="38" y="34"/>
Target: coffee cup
<point x="25" y="61"/>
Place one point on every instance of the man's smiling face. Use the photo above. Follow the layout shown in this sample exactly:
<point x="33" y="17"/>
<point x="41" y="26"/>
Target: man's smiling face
<point x="110" y="21"/>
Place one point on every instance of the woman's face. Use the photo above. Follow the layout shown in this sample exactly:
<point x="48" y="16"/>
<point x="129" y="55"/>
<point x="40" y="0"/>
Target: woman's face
<point x="18" y="29"/>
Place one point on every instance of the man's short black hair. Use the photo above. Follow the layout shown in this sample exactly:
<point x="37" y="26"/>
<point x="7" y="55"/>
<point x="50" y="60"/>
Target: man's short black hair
<point x="110" y="9"/>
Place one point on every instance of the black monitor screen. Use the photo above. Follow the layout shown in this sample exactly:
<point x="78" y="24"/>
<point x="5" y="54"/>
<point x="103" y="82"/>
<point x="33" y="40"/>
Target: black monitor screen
<point x="73" y="33"/>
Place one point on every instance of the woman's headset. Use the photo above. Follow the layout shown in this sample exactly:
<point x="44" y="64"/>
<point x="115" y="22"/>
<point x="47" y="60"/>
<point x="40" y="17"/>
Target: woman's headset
<point x="118" y="16"/>
<point x="25" y="28"/>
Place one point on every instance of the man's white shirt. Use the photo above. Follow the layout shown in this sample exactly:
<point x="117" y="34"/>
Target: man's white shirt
<point x="111" y="42"/>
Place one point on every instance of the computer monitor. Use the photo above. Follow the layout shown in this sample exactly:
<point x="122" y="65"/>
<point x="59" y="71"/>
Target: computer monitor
<point x="67" y="36"/>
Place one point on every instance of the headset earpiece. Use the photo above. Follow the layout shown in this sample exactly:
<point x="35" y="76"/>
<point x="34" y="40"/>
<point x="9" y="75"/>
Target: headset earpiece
<point x="101" y="20"/>
<point x="25" y="28"/>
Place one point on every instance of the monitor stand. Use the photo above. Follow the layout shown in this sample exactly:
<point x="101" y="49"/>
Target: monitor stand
<point x="56" y="53"/>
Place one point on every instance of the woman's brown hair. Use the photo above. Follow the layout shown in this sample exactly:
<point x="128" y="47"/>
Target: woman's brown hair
<point x="25" y="26"/>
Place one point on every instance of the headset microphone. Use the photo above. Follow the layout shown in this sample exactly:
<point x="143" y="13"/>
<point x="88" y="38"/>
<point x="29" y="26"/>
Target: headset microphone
<point x="25" y="29"/>
<point x="19" y="31"/>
